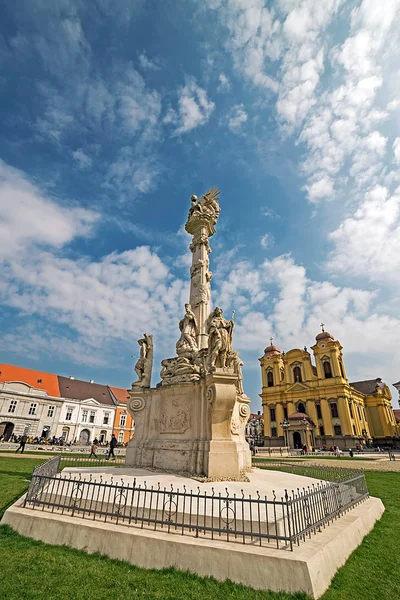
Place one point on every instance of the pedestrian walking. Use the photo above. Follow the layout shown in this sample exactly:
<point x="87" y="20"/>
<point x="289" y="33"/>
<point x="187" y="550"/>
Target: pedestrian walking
<point x="22" y="443"/>
<point x="113" y="444"/>
<point x="93" y="450"/>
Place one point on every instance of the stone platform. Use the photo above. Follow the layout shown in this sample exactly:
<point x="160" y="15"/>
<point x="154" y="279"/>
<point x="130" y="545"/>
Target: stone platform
<point x="309" y="567"/>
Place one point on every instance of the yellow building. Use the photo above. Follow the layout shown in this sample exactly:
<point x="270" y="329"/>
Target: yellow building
<point x="315" y="405"/>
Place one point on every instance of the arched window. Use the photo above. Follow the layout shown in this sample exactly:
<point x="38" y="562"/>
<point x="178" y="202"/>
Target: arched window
<point x="297" y="374"/>
<point x="301" y="408"/>
<point x="270" y="379"/>
<point x="327" y="369"/>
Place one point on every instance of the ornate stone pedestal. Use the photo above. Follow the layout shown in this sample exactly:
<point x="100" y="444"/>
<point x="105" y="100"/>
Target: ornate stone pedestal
<point x="195" y="428"/>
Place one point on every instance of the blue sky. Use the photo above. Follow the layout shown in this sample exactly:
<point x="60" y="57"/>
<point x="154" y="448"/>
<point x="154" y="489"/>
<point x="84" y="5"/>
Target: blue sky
<point x="114" y="113"/>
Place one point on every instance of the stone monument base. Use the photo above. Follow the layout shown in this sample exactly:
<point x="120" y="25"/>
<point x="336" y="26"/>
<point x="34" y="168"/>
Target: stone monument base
<point x="194" y="427"/>
<point x="308" y="568"/>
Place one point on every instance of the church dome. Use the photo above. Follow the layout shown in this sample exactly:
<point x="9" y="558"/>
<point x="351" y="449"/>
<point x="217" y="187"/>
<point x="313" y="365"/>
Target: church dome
<point x="324" y="335"/>
<point x="271" y="349"/>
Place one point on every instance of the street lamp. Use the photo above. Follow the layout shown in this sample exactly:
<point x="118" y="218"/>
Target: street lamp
<point x="285" y="425"/>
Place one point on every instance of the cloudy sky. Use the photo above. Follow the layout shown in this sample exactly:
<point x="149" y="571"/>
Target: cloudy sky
<point x="114" y="113"/>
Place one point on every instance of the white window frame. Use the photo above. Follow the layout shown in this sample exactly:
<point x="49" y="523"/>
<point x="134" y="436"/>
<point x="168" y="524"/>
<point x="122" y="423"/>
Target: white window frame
<point x="70" y="412"/>
<point x="121" y="437"/>
<point x="12" y="407"/>
<point x="50" y="411"/>
<point x="32" y="409"/>
<point x="106" y="418"/>
<point x="92" y="416"/>
<point x="85" y="414"/>
<point x="122" y="417"/>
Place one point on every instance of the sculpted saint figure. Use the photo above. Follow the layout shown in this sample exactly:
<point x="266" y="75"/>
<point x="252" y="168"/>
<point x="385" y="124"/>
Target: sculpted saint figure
<point x="144" y="365"/>
<point x="219" y="339"/>
<point x="189" y="331"/>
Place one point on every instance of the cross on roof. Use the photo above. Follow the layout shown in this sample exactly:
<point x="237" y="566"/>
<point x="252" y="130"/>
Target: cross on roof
<point x="323" y="325"/>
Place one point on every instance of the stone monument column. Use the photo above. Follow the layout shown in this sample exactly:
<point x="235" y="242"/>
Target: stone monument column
<point x="202" y="218"/>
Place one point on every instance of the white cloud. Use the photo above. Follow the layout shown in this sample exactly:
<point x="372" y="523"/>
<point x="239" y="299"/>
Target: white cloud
<point x="267" y="241"/>
<point x="224" y="83"/>
<point x="396" y="150"/>
<point x="269" y="212"/>
<point x="147" y="64"/>
<point x="237" y="118"/>
<point x="32" y="218"/>
<point x="194" y="107"/>
<point x="368" y="242"/>
<point x="82" y="159"/>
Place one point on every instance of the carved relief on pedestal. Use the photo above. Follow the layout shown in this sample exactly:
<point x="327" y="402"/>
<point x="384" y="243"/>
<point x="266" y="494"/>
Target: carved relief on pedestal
<point x="176" y="416"/>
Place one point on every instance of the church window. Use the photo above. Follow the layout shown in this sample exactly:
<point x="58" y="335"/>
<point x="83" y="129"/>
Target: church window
<point x="321" y="431"/>
<point x="337" y="429"/>
<point x="351" y="410"/>
<point x="297" y="374"/>
<point x="272" y="414"/>
<point x="270" y="379"/>
<point x="273" y="431"/>
<point x="354" y="430"/>
<point x="334" y="410"/>
<point x="301" y="408"/>
<point x="327" y="369"/>
<point x="359" y="413"/>
<point x="319" y="413"/>
<point x="285" y="414"/>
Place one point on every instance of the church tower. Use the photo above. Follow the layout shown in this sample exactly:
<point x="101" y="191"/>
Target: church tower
<point x="328" y="357"/>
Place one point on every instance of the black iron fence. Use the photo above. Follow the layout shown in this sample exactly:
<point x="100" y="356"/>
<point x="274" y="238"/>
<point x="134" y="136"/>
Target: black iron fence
<point x="283" y="521"/>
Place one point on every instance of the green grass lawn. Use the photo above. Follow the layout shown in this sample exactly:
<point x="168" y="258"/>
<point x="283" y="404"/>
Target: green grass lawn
<point x="31" y="570"/>
<point x="257" y="459"/>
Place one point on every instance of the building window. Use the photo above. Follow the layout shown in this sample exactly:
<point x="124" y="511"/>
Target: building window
<point x="106" y="418"/>
<point x="92" y="416"/>
<point x="285" y="413"/>
<point x="351" y="410"/>
<point x="32" y="408"/>
<point x="85" y="414"/>
<point x="122" y="420"/>
<point x="272" y="414"/>
<point x="327" y="369"/>
<point x="354" y="430"/>
<point x="297" y="374"/>
<point x="50" y="411"/>
<point x="27" y="428"/>
<point x="337" y="430"/>
<point x="270" y="379"/>
<point x="121" y="437"/>
<point x="13" y="406"/>
<point x="301" y="408"/>
<point x="334" y="410"/>
<point x="273" y="431"/>
<point x="68" y="416"/>
<point x="321" y="431"/>
<point x="359" y="413"/>
<point x="319" y="413"/>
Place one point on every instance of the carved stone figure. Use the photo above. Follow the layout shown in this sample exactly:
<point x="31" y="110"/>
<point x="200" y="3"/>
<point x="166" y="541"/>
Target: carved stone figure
<point x="187" y="343"/>
<point x="144" y="365"/>
<point x="179" y="370"/>
<point x="207" y="205"/>
<point x="219" y="332"/>
<point x="236" y="363"/>
<point x="175" y="417"/>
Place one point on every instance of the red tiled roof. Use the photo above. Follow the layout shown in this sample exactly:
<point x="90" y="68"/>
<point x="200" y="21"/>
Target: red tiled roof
<point x="37" y="379"/>
<point x="120" y="394"/>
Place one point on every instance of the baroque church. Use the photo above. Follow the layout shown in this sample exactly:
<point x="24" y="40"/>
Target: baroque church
<point x="311" y="402"/>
